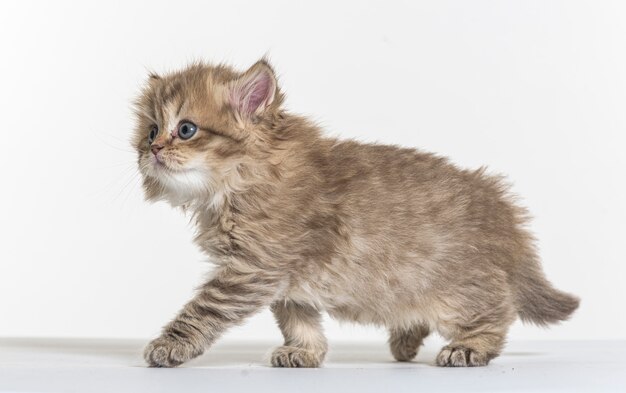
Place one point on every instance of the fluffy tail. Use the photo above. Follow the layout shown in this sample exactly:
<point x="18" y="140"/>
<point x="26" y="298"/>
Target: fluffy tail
<point x="538" y="301"/>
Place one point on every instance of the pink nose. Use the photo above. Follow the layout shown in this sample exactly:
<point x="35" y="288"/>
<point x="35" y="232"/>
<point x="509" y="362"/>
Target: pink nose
<point x="156" y="148"/>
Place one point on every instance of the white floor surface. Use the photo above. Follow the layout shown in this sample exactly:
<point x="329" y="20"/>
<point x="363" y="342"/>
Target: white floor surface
<point x="79" y="365"/>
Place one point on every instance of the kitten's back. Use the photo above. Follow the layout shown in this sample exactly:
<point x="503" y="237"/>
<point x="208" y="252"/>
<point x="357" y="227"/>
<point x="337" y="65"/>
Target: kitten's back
<point x="405" y="190"/>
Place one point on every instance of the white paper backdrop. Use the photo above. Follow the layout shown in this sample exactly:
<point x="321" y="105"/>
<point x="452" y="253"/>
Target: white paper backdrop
<point x="534" y="89"/>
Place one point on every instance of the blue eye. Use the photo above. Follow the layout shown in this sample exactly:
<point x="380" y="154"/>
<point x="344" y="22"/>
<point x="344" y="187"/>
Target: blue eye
<point x="186" y="130"/>
<point x="153" y="133"/>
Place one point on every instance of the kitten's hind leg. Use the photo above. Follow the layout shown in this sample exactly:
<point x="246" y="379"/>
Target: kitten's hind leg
<point x="404" y="343"/>
<point x="305" y="344"/>
<point x="476" y="343"/>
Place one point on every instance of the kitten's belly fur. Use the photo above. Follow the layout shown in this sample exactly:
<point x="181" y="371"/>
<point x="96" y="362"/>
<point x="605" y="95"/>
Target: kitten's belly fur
<point x="355" y="288"/>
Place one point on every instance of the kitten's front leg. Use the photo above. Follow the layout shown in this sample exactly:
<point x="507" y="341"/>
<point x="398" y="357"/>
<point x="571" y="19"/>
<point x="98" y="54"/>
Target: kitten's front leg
<point x="305" y="344"/>
<point x="221" y="303"/>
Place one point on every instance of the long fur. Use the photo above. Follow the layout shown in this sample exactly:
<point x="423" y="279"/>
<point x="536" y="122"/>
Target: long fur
<point x="307" y="224"/>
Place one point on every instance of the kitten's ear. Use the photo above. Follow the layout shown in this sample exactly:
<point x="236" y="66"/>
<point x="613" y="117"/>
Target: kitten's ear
<point x="253" y="92"/>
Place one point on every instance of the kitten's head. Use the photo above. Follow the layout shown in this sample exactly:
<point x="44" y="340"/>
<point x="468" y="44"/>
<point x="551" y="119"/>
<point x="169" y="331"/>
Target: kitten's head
<point x="194" y="128"/>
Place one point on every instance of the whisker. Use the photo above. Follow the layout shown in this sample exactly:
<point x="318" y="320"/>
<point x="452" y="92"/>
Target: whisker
<point x="128" y="183"/>
<point x="117" y="165"/>
<point x="122" y="174"/>
<point x="133" y="181"/>
<point x="126" y="147"/>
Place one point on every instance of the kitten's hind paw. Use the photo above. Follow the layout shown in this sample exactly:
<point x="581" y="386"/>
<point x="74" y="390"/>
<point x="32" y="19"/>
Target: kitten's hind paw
<point x="459" y="356"/>
<point x="403" y="353"/>
<point x="166" y="351"/>
<point x="295" y="357"/>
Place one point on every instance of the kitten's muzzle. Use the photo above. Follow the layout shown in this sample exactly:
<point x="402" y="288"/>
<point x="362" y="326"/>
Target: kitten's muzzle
<point x="156" y="148"/>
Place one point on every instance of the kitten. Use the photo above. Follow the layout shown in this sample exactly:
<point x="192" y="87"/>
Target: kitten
<point x="303" y="223"/>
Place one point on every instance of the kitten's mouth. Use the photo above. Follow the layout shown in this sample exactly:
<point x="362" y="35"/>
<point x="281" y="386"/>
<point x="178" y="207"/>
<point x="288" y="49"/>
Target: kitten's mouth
<point x="159" y="164"/>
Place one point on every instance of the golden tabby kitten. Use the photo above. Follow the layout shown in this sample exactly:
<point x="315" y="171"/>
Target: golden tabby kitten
<point x="303" y="224"/>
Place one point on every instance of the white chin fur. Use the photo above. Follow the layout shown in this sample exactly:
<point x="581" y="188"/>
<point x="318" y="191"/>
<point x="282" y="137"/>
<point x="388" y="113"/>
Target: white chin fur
<point x="190" y="187"/>
<point x="181" y="188"/>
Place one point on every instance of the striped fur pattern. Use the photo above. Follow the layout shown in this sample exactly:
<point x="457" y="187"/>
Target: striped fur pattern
<point x="306" y="224"/>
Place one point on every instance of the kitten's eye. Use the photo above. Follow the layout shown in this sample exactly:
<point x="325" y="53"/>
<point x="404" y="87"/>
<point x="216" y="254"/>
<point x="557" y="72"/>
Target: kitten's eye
<point x="186" y="130"/>
<point x="153" y="133"/>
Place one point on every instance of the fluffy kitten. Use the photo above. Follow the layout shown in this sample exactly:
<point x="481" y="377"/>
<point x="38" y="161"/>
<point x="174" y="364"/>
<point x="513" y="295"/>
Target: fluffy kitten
<point x="303" y="224"/>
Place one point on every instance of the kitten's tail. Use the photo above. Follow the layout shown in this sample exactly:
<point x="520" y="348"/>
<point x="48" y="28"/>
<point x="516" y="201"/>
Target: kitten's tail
<point x="538" y="301"/>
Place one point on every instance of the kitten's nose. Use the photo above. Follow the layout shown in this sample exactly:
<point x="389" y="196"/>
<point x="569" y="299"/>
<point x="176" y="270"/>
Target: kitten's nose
<point x="156" y="148"/>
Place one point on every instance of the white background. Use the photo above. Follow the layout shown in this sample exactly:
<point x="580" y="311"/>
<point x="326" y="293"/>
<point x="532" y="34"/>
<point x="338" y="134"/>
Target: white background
<point x="534" y="89"/>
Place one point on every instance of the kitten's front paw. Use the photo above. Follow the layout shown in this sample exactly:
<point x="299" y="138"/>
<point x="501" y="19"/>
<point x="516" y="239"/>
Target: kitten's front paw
<point x="458" y="356"/>
<point x="295" y="357"/>
<point x="166" y="351"/>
